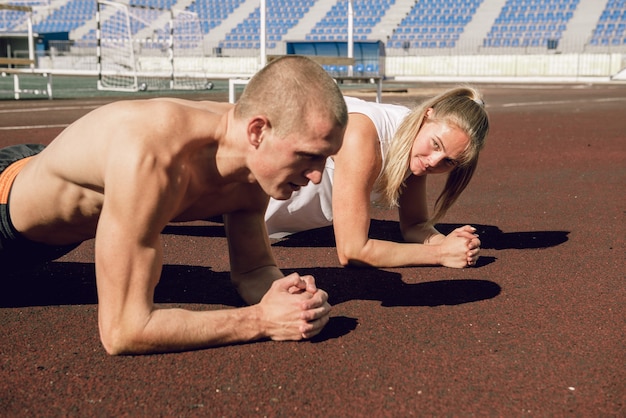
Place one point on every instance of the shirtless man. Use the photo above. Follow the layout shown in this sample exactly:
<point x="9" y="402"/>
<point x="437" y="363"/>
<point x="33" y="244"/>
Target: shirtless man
<point x="122" y="172"/>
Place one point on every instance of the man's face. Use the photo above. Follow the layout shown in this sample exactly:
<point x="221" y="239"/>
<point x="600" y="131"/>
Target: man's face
<point x="283" y="165"/>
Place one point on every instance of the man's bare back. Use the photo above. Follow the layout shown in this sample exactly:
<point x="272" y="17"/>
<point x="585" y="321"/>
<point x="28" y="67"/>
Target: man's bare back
<point x="71" y="174"/>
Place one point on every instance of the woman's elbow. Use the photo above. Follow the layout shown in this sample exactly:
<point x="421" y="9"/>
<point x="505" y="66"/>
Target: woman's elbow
<point x="351" y="258"/>
<point x="343" y="260"/>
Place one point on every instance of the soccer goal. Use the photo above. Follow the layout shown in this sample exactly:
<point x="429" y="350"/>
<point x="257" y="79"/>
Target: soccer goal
<point x="142" y="47"/>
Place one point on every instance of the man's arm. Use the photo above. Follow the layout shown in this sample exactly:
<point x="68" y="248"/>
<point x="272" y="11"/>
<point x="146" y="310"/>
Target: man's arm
<point x="138" y="203"/>
<point x="254" y="270"/>
<point x="253" y="267"/>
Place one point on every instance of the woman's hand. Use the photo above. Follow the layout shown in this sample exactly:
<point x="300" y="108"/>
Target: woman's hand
<point x="460" y="248"/>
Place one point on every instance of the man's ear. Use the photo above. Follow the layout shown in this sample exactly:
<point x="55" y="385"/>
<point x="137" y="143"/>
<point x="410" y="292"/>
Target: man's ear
<point x="256" y="129"/>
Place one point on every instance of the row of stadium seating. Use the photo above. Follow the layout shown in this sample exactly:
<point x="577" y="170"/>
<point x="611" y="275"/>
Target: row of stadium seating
<point x="429" y="23"/>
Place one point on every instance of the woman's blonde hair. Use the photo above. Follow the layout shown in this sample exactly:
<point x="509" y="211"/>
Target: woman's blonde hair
<point x="462" y="107"/>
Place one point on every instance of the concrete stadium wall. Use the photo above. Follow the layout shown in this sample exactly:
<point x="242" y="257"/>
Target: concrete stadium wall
<point x="558" y="65"/>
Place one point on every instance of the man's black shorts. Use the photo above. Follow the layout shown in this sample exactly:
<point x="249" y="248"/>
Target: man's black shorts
<point x="15" y="251"/>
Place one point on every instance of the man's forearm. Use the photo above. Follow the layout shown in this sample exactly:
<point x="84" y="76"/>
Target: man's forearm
<point x="290" y="310"/>
<point x="171" y="330"/>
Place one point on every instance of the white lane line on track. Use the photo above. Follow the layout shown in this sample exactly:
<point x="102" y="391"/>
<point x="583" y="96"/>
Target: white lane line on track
<point x="47" y="109"/>
<point x="15" y="128"/>
<point x="558" y="102"/>
<point x="42" y="109"/>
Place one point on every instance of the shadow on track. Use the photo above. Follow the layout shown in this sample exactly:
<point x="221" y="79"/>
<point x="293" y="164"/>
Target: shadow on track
<point x="69" y="283"/>
<point x="491" y="236"/>
<point x="65" y="283"/>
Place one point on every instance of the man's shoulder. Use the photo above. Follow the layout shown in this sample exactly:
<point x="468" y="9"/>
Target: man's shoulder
<point x="206" y="105"/>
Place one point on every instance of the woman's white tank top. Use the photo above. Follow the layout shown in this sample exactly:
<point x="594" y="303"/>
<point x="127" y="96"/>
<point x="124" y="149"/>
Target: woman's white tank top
<point x="311" y="206"/>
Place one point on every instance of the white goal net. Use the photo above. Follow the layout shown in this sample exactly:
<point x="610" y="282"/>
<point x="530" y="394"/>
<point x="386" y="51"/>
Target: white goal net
<point x="143" y="48"/>
<point x="187" y="51"/>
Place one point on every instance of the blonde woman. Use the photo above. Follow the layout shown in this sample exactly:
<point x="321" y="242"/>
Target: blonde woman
<point x="388" y="151"/>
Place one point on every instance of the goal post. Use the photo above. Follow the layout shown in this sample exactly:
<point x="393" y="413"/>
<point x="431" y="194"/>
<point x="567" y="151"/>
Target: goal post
<point x="143" y="47"/>
<point x="117" y="69"/>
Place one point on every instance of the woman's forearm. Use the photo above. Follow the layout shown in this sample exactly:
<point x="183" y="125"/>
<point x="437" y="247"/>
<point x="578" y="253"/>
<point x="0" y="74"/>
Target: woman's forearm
<point x="380" y="254"/>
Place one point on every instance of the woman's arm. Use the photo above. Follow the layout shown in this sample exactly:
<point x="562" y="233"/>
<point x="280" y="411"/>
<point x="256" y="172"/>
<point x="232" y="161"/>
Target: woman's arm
<point x="357" y="166"/>
<point x="458" y="249"/>
<point x="413" y="213"/>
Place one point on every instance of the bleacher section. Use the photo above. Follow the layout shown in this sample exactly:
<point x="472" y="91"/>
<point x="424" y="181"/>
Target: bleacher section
<point x="524" y="23"/>
<point x="68" y="17"/>
<point x="334" y="26"/>
<point x="12" y="20"/>
<point x="212" y="12"/>
<point x="434" y="24"/>
<point x="430" y="24"/>
<point x="281" y="15"/>
<point x="611" y="27"/>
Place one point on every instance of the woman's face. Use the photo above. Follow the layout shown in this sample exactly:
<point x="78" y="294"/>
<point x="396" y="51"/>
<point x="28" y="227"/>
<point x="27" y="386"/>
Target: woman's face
<point x="437" y="147"/>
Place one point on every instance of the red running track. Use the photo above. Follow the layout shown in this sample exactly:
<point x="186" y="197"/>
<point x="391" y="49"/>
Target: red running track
<point x="536" y="329"/>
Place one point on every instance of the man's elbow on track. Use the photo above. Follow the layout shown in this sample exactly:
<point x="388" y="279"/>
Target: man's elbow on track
<point x="117" y="342"/>
<point x="114" y="348"/>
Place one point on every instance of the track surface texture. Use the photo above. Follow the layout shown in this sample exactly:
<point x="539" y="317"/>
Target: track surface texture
<point x="537" y="328"/>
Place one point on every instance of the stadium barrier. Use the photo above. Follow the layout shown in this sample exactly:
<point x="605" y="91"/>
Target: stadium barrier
<point x="328" y="62"/>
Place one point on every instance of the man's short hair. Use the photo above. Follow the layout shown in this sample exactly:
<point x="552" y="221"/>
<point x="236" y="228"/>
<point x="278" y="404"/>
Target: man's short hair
<point x="287" y="89"/>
